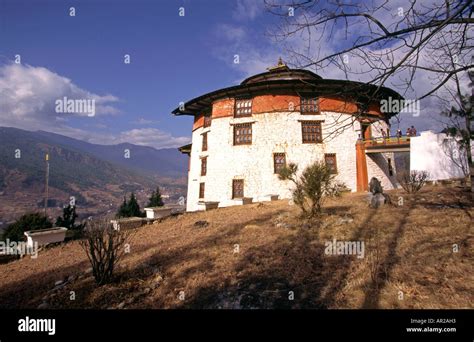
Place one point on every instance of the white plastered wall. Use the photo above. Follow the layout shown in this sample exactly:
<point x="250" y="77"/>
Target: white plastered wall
<point x="271" y="133"/>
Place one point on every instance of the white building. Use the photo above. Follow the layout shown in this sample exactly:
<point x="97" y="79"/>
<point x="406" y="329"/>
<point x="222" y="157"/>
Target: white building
<point x="243" y="134"/>
<point x="439" y="155"/>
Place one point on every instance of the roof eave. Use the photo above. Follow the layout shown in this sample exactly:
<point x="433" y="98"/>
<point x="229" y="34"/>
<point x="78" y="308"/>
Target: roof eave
<point x="250" y="89"/>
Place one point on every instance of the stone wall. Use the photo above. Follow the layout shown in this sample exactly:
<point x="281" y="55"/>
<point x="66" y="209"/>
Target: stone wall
<point x="276" y="132"/>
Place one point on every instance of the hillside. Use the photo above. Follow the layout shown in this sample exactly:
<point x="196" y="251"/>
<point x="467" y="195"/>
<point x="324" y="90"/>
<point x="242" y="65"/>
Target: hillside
<point x="168" y="162"/>
<point x="97" y="183"/>
<point x="253" y="256"/>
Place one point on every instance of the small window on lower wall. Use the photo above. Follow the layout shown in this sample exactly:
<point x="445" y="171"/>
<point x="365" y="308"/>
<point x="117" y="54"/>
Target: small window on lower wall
<point x="311" y="132"/>
<point x="204" y="142"/>
<point x="279" y="162"/>
<point x="203" y="166"/>
<point x="330" y="160"/>
<point x="201" y="190"/>
<point x="237" y="188"/>
<point x="243" y="134"/>
<point x="390" y="167"/>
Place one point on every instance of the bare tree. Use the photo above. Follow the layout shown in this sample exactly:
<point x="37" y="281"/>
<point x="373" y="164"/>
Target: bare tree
<point x="391" y="42"/>
<point x="422" y="42"/>
<point x="457" y="107"/>
<point x="412" y="181"/>
<point x="104" y="247"/>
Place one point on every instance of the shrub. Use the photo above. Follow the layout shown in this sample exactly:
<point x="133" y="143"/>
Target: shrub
<point x="155" y="199"/>
<point x="104" y="247"/>
<point x="315" y="183"/>
<point x="130" y="208"/>
<point x="412" y="181"/>
<point x="32" y="221"/>
<point x="68" y="220"/>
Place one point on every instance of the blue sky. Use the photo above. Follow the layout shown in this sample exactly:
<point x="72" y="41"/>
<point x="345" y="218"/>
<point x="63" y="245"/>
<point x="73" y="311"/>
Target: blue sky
<point x="173" y="58"/>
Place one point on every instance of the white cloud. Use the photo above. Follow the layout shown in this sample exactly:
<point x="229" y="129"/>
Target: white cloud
<point x="152" y="137"/>
<point x="247" y="9"/>
<point x="27" y="101"/>
<point x="28" y="95"/>
<point x="143" y="121"/>
<point x="257" y="53"/>
<point x="253" y="58"/>
<point x="231" y="32"/>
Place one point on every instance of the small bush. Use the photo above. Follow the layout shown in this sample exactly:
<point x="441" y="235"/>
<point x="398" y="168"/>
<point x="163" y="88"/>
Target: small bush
<point x="32" y="221"/>
<point x="104" y="247"/>
<point x="68" y="220"/>
<point x="130" y="208"/>
<point x="413" y="181"/>
<point x="315" y="183"/>
<point x="155" y="199"/>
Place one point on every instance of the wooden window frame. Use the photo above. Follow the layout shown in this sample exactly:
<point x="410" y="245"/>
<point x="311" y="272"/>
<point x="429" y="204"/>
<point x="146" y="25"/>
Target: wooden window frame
<point x="275" y="164"/>
<point x="204" y="141"/>
<point x="202" y="188"/>
<point x="304" y="134"/>
<point x="304" y="105"/>
<point x="237" y="127"/>
<point x="237" y="107"/>
<point x="207" y="119"/>
<point x="203" y="166"/>
<point x="331" y="156"/>
<point x="234" y="195"/>
<point x="390" y="167"/>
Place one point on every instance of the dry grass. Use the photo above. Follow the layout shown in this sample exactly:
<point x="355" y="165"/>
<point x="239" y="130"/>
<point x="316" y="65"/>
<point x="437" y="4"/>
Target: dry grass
<point x="278" y="252"/>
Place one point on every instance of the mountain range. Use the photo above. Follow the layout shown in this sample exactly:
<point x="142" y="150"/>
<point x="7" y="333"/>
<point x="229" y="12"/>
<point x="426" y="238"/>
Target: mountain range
<point x="96" y="175"/>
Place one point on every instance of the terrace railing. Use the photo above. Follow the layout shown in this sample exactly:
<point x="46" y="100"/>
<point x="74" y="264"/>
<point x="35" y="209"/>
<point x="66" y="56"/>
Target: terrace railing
<point x="393" y="142"/>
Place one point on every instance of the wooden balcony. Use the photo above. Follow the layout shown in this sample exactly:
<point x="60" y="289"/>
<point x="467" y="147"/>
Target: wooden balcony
<point x="388" y="144"/>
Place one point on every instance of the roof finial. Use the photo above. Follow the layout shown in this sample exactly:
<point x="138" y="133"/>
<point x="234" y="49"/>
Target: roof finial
<point x="279" y="66"/>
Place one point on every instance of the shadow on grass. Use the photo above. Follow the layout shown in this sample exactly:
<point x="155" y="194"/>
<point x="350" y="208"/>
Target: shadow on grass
<point x="384" y="268"/>
<point x="28" y="293"/>
<point x="290" y="273"/>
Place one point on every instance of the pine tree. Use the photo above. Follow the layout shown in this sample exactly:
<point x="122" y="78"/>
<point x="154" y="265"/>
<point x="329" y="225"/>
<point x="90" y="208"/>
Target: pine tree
<point x="130" y="208"/>
<point x="68" y="219"/>
<point x="123" y="210"/>
<point x="133" y="207"/>
<point x="155" y="199"/>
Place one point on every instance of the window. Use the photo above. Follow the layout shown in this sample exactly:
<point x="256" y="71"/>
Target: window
<point x="311" y="132"/>
<point x="309" y="105"/>
<point x="237" y="188"/>
<point x="279" y="161"/>
<point x="243" y="107"/>
<point x="204" y="142"/>
<point x="390" y="167"/>
<point x="243" y="134"/>
<point x="203" y="166"/>
<point x="201" y="190"/>
<point x="330" y="159"/>
<point x="207" y="119"/>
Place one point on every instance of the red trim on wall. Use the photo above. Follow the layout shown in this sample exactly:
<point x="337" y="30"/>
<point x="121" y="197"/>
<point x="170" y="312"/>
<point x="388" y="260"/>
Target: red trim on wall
<point x="361" y="167"/>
